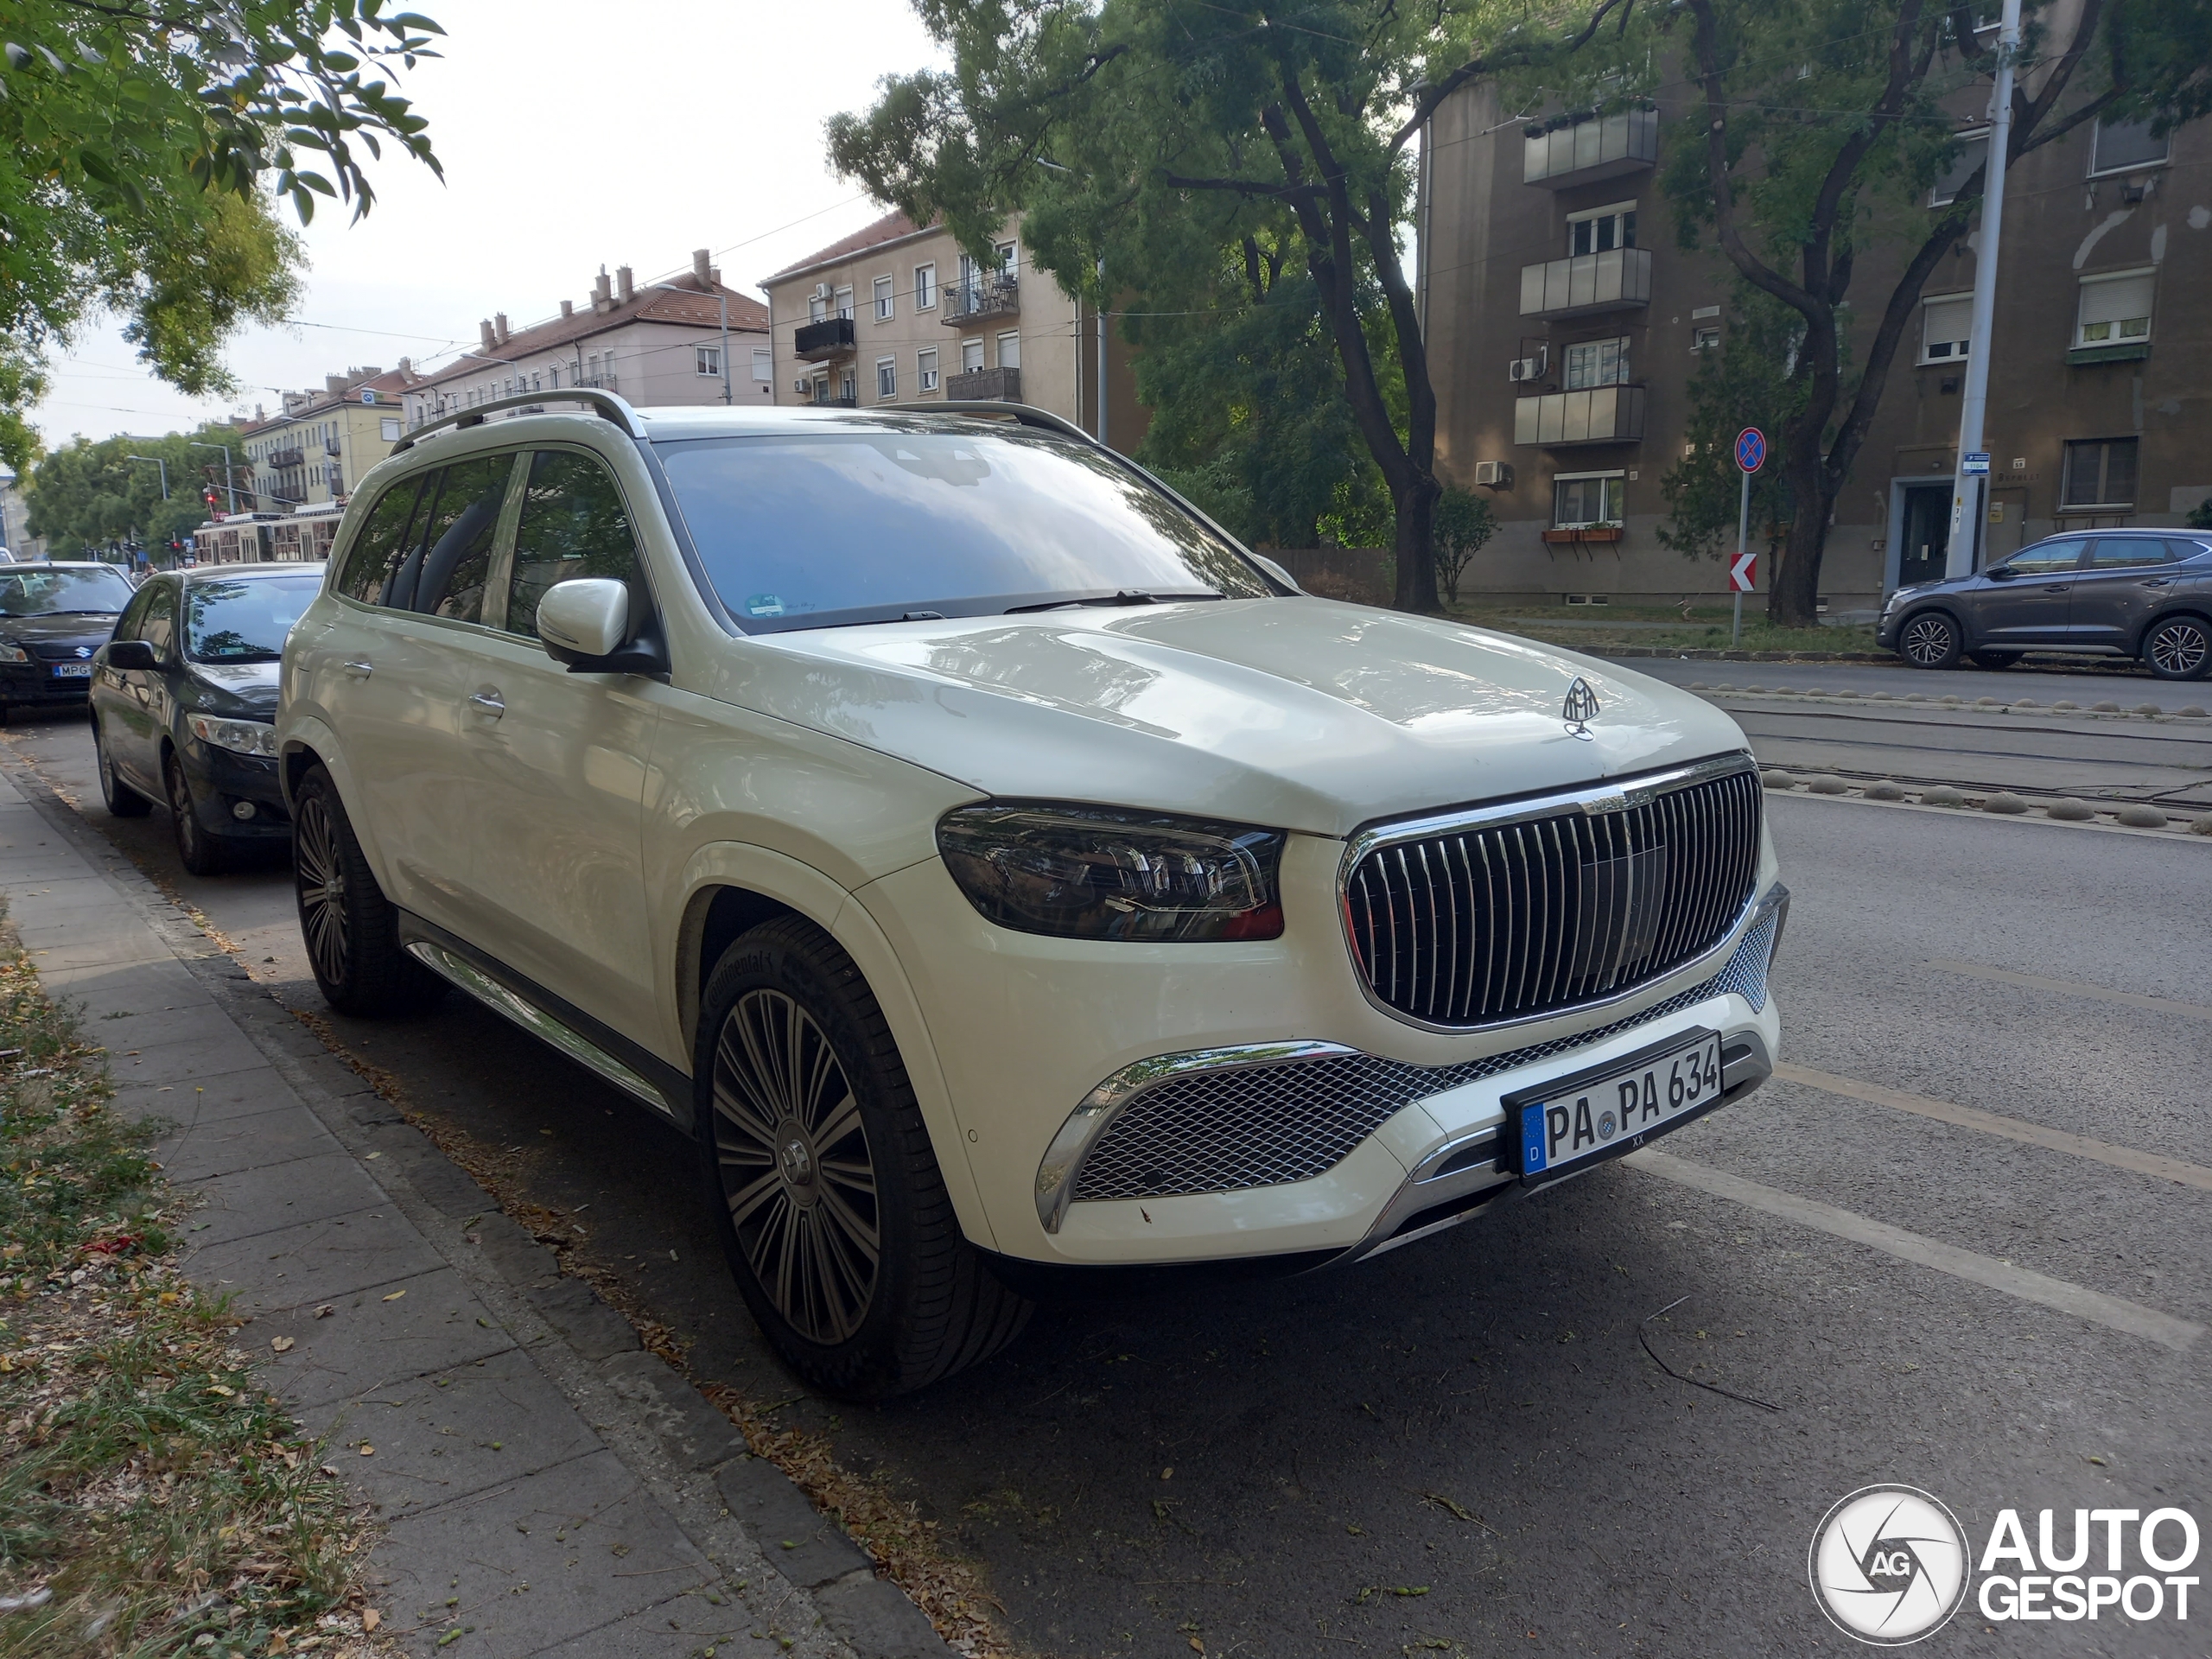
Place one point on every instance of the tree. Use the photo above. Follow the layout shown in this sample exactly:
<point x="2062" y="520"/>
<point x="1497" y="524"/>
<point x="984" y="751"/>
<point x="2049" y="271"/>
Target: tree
<point x="1464" y="523"/>
<point x="1815" y="131"/>
<point x="1144" y="132"/>
<point x="1758" y="377"/>
<point x="86" y="496"/>
<point x="143" y="144"/>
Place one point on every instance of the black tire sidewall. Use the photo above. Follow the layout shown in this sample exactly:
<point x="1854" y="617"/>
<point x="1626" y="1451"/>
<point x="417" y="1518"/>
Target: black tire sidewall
<point x="1950" y="657"/>
<point x="200" y="852"/>
<point x="810" y="969"/>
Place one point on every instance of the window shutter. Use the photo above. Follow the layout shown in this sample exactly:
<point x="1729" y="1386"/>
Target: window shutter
<point x="1945" y="326"/>
<point x="2120" y="300"/>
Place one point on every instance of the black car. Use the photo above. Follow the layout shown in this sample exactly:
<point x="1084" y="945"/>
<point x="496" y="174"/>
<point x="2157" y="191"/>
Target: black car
<point x="184" y="703"/>
<point x="53" y="618"/>
<point x="2124" y="593"/>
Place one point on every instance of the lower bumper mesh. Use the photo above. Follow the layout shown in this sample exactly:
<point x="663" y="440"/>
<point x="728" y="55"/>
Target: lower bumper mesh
<point x="1266" y="1125"/>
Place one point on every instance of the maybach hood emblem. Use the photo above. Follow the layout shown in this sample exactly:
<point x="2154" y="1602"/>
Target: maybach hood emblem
<point x="1582" y="705"/>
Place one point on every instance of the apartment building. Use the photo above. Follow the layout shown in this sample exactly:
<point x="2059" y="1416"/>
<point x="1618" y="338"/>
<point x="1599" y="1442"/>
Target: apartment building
<point x="896" y="313"/>
<point x="1565" y="326"/>
<point x="323" y="441"/>
<point x="653" y="343"/>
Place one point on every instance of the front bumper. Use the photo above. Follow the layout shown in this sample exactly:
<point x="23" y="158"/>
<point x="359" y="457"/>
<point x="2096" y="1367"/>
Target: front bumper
<point x="35" y="682"/>
<point x="222" y="777"/>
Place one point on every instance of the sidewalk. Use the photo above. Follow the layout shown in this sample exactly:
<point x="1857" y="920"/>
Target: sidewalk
<point x="546" y="1487"/>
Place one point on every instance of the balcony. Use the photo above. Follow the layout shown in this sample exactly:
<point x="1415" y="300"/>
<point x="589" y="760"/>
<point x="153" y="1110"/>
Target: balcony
<point x="980" y="300"/>
<point x="1602" y="147"/>
<point x="1586" y="285"/>
<point x="824" y="341"/>
<point x="281" y="458"/>
<point x="984" y="386"/>
<point x="1560" y="420"/>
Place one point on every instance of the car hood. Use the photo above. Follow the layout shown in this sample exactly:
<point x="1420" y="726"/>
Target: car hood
<point x="77" y="628"/>
<point x="246" y="690"/>
<point x="1299" y="714"/>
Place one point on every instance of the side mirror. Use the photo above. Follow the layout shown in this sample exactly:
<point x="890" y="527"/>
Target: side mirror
<point x="2000" y="573"/>
<point x="131" y="654"/>
<point x="586" y="616"/>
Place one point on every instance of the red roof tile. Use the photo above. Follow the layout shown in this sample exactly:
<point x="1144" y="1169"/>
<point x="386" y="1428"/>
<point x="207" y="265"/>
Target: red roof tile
<point x="889" y="228"/>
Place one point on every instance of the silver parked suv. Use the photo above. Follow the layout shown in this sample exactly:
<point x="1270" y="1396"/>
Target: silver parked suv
<point x="1001" y="874"/>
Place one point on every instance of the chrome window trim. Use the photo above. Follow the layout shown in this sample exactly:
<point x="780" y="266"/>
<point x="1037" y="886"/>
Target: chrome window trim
<point x="1594" y="800"/>
<point x="1063" y="1160"/>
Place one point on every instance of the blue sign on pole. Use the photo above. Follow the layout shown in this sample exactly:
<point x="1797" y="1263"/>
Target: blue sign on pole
<point x="1750" y="449"/>
<point x="1977" y="464"/>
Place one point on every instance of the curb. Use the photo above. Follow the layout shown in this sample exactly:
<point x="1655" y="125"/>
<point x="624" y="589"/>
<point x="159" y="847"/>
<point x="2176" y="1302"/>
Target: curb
<point x="1921" y="701"/>
<point x="2124" y="817"/>
<point x="739" y="1511"/>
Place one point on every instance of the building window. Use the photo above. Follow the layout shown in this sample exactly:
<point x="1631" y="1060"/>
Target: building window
<point x="556" y="372"/>
<point x="1596" y="363"/>
<point x="764" y="364"/>
<point x="1972" y="156"/>
<point x="882" y="286"/>
<point x="2115" y="310"/>
<point x="388" y="429"/>
<point x="709" y="360"/>
<point x="848" y="388"/>
<point x="845" y="304"/>
<point x="1009" y="351"/>
<point x="925" y="368"/>
<point x="817" y="307"/>
<point x="886" y="377"/>
<point x="971" y="356"/>
<point x="1585" y="500"/>
<point x="1945" y="327"/>
<point x="2100" y="473"/>
<point x="2122" y="145"/>
<point x="925" y="287"/>
<point x="1009" y="258"/>
<point x="1705" y="339"/>
<point x="1602" y="229"/>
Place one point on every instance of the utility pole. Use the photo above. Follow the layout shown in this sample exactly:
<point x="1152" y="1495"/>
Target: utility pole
<point x="1101" y="349"/>
<point x="1970" y="489"/>
<point x="230" y="486"/>
<point x="159" y="462"/>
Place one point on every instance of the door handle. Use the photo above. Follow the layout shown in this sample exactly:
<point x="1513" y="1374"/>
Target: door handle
<point x="359" y="670"/>
<point x="2157" y="581"/>
<point x="487" y="703"/>
<point x="2056" y="587"/>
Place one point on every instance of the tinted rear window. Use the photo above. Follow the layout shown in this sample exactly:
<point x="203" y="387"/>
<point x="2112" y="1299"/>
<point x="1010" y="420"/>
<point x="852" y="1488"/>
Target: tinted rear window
<point x="245" y="620"/>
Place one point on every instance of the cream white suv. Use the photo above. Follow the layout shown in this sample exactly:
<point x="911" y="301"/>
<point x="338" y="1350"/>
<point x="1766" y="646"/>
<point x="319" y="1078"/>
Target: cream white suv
<point x="1004" y="877"/>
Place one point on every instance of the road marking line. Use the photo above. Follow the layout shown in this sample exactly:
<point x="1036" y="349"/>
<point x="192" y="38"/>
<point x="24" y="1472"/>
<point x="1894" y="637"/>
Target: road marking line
<point x="2071" y="987"/>
<point x="2013" y="1129"/>
<point x="2179" y="1334"/>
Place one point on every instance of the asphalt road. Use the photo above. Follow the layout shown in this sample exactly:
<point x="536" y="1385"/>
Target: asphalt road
<point x="2046" y="679"/>
<point x="1466" y="1447"/>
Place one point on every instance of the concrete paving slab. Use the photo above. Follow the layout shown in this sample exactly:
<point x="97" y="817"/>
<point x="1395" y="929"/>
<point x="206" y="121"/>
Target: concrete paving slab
<point x="385" y="1335"/>
<point x="455" y="1433"/>
<point x="119" y="1032"/>
<point x="112" y="952"/>
<point x="690" y="1431"/>
<point x="590" y="1543"/>
<point x="588" y="1324"/>
<point x="141" y="988"/>
<point x="295" y="1268"/>
<point x="878" y="1619"/>
<point x="186" y="1059"/>
<point x="226" y="1146"/>
<point x="681" y="1628"/>
<point x="279" y="1195"/>
<point x="808" y="1547"/>
<point x="207" y="1100"/>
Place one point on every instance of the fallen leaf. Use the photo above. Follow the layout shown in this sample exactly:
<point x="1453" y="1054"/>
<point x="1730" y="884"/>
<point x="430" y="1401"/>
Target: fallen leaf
<point x="217" y="1388"/>
<point x="367" y="1450"/>
<point x="370" y="1619"/>
<point x="395" y="1295"/>
<point x="1168" y="1474"/>
<point x="281" y="1344"/>
<point x="325" y="1311"/>
<point x="1197" y="1646"/>
<point x="1408" y="1589"/>
<point x="1442" y="1502"/>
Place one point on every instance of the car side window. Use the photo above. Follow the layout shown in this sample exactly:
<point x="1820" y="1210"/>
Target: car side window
<point x="382" y="548"/>
<point x="2118" y="552"/>
<point x="457" y="538"/>
<point x="126" y="625"/>
<point x="2045" y="557"/>
<point x="573" y="524"/>
<point x="157" y="626"/>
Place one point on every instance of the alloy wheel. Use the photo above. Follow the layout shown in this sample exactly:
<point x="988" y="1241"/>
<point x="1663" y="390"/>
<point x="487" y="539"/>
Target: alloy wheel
<point x="321" y="879"/>
<point x="2178" y="648"/>
<point x="185" y="820"/>
<point x="1927" y="640"/>
<point x="794" y="1167"/>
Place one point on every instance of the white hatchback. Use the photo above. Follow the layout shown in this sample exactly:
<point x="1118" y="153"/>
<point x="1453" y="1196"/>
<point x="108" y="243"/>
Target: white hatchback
<point x="1001" y="874"/>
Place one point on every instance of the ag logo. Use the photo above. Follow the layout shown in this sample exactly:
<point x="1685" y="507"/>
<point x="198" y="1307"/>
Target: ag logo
<point x="1889" y="1565"/>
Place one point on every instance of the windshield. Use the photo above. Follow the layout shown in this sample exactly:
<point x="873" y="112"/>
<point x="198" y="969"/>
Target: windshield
<point x="942" y="517"/>
<point x="244" y="620"/>
<point x="26" y="590"/>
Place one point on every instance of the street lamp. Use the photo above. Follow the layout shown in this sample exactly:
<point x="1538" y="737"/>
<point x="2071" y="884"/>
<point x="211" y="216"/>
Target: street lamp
<point x="723" y="300"/>
<point x="230" y="486"/>
<point x="157" y="461"/>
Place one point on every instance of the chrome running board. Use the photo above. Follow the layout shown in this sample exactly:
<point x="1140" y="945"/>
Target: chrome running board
<point x="539" y="1024"/>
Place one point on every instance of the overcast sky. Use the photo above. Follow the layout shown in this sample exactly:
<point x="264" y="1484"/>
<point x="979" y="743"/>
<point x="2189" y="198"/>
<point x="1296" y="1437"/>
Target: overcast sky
<point x="573" y="136"/>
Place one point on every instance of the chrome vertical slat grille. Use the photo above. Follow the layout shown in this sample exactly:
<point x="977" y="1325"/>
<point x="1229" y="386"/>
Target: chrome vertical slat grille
<point x="1554" y="908"/>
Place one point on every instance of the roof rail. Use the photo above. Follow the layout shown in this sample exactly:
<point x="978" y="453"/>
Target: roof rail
<point x="615" y="409"/>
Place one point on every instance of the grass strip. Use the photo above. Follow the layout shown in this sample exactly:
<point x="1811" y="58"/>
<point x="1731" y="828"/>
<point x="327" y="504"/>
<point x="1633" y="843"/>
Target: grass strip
<point x="154" y="1498"/>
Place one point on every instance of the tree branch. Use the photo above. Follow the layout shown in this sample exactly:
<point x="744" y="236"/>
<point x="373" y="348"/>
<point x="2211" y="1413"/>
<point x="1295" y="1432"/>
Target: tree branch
<point x="1510" y="57"/>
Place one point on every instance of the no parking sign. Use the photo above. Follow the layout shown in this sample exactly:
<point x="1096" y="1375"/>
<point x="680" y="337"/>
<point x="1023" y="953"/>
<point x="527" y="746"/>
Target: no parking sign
<point x="1750" y="449"/>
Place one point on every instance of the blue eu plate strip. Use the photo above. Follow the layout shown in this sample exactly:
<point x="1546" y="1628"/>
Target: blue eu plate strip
<point x="1532" y="1139"/>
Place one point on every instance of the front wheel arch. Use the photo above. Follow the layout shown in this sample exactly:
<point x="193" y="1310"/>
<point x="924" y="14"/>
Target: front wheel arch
<point x="1926" y="612"/>
<point x="2179" y="613"/>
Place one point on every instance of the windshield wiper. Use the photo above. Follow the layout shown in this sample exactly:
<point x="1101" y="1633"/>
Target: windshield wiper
<point x="1122" y="596"/>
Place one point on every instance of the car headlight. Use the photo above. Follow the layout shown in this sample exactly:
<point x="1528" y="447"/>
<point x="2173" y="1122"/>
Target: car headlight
<point x="1093" y="873"/>
<point x="12" y="653"/>
<point x="239" y="737"/>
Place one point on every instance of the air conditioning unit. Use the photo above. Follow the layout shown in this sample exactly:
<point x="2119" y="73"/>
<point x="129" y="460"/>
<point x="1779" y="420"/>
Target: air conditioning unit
<point x="1494" y="474"/>
<point x="822" y="290"/>
<point x="1529" y="368"/>
<point x="802" y="385"/>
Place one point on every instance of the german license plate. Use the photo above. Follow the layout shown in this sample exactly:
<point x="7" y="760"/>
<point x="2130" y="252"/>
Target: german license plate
<point x="72" y="671"/>
<point x="1617" y="1107"/>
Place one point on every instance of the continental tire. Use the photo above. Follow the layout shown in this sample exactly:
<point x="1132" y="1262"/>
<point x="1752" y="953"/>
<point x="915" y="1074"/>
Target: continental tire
<point x="350" y="930"/>
<point x="824" y="1187"/>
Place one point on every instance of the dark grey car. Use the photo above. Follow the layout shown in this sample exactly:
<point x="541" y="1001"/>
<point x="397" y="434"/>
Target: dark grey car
<point x="2146" y="593"/>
